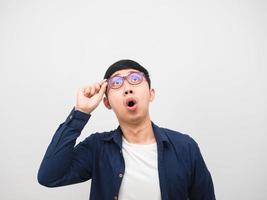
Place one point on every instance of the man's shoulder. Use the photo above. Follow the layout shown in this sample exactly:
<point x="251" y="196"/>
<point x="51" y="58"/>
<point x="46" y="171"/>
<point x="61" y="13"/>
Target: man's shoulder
<point x="178" y="137"/>
<point x="103" y="135"/>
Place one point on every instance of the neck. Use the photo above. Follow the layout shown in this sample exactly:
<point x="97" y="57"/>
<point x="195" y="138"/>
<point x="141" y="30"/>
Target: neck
<point x="139" y="133"/>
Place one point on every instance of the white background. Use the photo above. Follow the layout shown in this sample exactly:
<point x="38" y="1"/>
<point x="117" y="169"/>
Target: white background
<point x="207" y="61"/>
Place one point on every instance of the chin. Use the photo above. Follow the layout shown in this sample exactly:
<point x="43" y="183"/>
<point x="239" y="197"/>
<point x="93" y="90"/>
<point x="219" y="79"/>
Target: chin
<point x="133" y="118"/>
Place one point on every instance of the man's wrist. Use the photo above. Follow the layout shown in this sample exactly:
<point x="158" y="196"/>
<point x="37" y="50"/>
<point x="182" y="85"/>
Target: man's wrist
<point x="77" y="119"/>
<point x="81" y="110"/>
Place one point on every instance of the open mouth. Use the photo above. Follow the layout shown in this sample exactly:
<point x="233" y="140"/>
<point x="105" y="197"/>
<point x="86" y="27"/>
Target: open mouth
<point x="131" y="103"/>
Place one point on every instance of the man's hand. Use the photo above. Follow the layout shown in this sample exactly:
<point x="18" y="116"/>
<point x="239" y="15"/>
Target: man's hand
<point x="89" y="97"/>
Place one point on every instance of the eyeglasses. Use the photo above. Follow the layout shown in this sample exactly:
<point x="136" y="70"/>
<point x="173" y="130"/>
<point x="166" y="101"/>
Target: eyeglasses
<point x="133" y="78"/>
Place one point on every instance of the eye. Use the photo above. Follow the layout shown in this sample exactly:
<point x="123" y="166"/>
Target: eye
<point x="116" y="81"/>
<point x="135" y="77"/>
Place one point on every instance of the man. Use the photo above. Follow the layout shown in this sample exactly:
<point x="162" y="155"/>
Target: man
<point x="137" y="160"/>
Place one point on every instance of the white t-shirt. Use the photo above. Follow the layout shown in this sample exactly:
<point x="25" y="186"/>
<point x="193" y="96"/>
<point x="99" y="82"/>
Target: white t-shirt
<point x="141" y="179"/>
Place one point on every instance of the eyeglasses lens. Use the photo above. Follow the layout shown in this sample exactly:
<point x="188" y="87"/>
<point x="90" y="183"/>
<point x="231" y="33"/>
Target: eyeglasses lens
<point x="116" y="82"/>
<point x="135" y="78"/>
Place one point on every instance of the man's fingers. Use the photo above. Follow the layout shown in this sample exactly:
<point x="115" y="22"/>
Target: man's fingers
<point x="83" y="89"/>
<point x="87" y="91"/>
<point x="97" y="86"/>
<point x="91" y="90"/>
<point x="103" y="88"/>
<point x="103" y="85"/>
<point x="103" y="81"/>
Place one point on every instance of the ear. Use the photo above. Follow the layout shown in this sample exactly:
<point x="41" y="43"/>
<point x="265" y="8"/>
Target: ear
<point x="152" y="94"/>
<point x="106" y="103"/>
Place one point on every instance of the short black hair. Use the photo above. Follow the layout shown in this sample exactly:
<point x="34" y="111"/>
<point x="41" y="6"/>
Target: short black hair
<point x="127" y="64"/>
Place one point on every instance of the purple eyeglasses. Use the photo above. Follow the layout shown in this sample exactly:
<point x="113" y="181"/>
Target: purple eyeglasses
<point x="133" y="78"/>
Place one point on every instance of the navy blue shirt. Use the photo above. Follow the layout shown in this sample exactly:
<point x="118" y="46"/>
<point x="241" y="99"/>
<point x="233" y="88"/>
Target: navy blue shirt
<point x="183" y="173"/>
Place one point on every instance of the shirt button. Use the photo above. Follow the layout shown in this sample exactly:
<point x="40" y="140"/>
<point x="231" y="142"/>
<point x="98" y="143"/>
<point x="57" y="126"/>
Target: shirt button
<point x="120" y="175"/>
<point x="115" y="198"/>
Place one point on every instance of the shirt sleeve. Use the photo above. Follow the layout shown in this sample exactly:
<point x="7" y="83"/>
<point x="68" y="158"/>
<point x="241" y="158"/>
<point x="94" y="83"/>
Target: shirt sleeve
<point x="202" y="185"/>
<point x="63" y="162"/>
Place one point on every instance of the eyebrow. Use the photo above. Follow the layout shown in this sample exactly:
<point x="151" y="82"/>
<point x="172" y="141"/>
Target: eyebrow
<point x="120" y="74"/>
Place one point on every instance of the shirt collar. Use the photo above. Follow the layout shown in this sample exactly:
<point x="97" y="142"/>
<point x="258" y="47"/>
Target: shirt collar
<point x="116" y="135"/>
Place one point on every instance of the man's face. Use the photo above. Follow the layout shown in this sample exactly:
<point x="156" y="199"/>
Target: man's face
<point x="130" y="102"/>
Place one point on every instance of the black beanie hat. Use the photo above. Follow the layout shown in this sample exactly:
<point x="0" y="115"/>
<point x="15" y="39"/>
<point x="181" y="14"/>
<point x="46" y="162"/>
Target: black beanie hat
<point x="126" y="64"/>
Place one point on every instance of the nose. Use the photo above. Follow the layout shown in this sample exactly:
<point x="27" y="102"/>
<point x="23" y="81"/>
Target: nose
<point x="127" y="88"/>
<point x="128" y="91"/>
